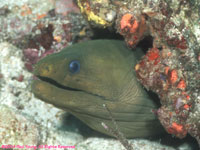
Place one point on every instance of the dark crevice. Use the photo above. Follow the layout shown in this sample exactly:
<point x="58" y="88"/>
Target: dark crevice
<point x="71" y="123"/>
<point x="146" y="43"/>
<point x="154" y="97"/>
<point x="106" y="34"/>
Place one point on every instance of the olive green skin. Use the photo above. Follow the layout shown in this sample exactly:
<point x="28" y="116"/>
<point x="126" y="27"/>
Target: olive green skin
<point x="107" y="77"/>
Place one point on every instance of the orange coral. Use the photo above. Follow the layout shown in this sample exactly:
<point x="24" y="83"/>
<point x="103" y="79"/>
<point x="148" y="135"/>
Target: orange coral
<point x="173" y="76"/>
<point x="181" y="85"/>
<point x="153" y="54"/>
<point x="186" y="106"/>
<point x="129" y="22"/>
<point x="175" y="128"/>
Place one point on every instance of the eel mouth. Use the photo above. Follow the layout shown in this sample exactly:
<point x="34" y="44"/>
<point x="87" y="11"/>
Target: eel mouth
<point x="58" y="85"/>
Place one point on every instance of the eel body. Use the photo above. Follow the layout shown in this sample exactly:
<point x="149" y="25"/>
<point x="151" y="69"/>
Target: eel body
<point x="83" y="77"/>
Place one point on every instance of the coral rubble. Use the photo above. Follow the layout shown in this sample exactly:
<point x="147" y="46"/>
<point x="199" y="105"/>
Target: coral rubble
<point x="171" y="68"/>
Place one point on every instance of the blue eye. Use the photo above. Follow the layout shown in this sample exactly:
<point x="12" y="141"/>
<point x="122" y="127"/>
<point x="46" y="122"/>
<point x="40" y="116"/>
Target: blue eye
<point x="74" y="66"/>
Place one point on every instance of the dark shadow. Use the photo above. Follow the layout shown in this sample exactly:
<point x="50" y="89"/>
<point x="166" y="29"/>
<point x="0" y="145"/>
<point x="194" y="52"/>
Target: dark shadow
<point x="106" y="34"/>
<point x="71" y="123"/>
<point x="146" y="43"/>
<point x="154" y="97"/>
<point x="169" y="140"/>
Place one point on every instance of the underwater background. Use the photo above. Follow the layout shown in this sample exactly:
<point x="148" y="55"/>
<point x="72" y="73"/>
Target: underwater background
<point x="32" y="29"/>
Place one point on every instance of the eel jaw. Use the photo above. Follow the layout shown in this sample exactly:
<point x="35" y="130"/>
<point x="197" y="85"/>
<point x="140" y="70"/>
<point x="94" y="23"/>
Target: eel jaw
<point x="58" y="85"/>
<point x="53" y="82"/>
<point x="64" y="97"/>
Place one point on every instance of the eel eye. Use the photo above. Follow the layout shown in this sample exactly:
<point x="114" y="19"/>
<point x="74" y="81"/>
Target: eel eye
<point x="74" y="66"/>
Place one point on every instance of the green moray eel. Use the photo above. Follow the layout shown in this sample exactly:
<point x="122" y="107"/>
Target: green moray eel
<point x="83" y="77"/>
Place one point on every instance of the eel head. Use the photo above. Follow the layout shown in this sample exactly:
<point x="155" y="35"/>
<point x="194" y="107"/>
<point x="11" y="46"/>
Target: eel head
<point x="83" y="77"/>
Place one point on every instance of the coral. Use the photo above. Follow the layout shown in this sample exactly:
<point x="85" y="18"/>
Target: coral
<point x="171" y="68"/>
<point x="132" y="28"/>
<point x="102" y="15"/>
<point x="41" y="29"/>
